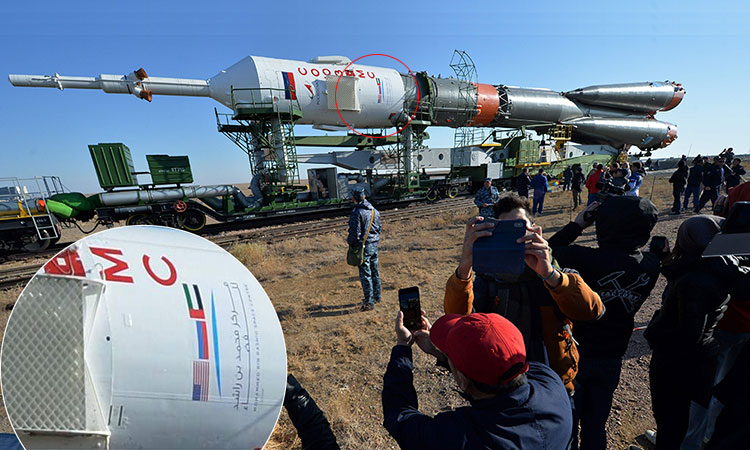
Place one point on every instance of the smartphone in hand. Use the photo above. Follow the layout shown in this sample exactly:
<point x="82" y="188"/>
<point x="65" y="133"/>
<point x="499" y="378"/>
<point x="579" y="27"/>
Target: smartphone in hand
<point x="500" y="253"/>
<point x="408" y="300"/>
<point x="658" y="245"/>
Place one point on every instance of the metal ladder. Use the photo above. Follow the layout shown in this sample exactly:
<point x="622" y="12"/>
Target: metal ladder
<point x="23" y="197"/>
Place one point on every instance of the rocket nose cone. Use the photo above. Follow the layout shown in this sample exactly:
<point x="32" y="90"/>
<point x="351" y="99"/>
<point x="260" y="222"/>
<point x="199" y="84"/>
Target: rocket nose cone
<point x="679" y="93"/>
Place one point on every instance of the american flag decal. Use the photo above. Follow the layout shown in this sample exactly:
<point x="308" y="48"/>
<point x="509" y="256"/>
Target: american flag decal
<point x="200" y="380"/>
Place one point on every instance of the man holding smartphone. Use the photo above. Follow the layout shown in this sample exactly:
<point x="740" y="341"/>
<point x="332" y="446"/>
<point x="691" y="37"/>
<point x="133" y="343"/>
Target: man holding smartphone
<point x="540" y="301"/>
<point x="514" y="404"/>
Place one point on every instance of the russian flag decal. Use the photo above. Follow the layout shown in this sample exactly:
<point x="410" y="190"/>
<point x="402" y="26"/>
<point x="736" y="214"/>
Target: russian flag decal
<point x="290" y="88"/>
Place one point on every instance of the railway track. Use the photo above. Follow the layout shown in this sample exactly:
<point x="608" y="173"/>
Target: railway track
<point x="14" y="276"/>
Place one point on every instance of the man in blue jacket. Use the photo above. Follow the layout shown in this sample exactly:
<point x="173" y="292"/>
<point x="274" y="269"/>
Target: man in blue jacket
<point x="713" y="178"/>
<point x="364" y="226"/>
<point x="539" y="183"/>
<point x="514" y="404"/>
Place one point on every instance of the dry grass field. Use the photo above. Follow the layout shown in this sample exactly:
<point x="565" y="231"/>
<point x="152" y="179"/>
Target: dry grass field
<point x="339" y="354"/>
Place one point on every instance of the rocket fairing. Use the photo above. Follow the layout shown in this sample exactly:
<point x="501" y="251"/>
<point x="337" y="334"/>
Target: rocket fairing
<point x="331" y="88"/>
<point x="143" y="337"/>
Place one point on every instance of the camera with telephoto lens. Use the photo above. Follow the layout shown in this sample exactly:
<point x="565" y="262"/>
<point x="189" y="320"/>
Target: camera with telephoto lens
<point x="607" y="188"/>
<point x="610" y="187"/>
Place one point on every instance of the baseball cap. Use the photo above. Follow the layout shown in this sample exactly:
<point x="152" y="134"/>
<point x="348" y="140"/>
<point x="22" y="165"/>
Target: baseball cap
<point x="485" y="347"/>
<point x="358" y="192"/>
<point x="488" y="179"/>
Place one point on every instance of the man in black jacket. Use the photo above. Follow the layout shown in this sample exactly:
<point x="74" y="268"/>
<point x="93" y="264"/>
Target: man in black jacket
<point x="681" y="332"/>
<point x="694" y="183"/>
<point x="515" y="404"/>
<point x="577" y="186"/>
<point x="678" y="180"/>
<point x="713" y="177"/>
<point x="734" y="173"/>
<point x="623" y="277"/>
<point x="522" y="183"/>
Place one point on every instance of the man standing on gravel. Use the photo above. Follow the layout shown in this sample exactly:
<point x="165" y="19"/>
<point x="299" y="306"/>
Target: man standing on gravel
<point x="539" y="183"/>
<point x="364" y="228"/>
<point x="694" y="184"/>
<point x="486" y="198"/>
<point x="567" y="178"/>
<point x="678" y="180"/>
<point x="713" y="177"/>
<point x="577" y="186"/>
<point x="522" y="183"/>
<point x="623" y="277"/>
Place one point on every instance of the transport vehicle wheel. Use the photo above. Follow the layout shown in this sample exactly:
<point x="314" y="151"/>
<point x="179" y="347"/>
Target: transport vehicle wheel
<point x="452" y="192"/>
<point x="193" y="220"/>
<point x="432" y="195"/>
<point x="36" y="244"/>
<point x="139" y="219"/>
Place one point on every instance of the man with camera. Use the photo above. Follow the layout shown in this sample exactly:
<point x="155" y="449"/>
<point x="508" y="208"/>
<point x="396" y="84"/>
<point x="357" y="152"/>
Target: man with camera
<point x="623" y="277"/>
<point x="539" y="301"/>
<point x="514" y="403"/>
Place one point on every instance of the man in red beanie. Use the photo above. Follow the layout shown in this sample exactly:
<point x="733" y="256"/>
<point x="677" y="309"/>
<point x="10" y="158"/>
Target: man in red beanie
<point x="514" y="404"/>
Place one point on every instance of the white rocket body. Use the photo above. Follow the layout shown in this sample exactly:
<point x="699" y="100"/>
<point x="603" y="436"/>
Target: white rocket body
<point x="144" y="337"/>
<point x="368" y="99"/>
<point x="619" y="115"/>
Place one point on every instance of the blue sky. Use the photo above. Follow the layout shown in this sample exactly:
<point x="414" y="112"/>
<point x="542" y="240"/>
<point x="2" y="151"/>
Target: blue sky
<point x="557" y="45"/>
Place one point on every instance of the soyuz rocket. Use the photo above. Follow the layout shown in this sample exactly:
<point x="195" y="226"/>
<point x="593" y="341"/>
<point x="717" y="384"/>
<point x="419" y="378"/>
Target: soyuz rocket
<point x="333" y="93"/>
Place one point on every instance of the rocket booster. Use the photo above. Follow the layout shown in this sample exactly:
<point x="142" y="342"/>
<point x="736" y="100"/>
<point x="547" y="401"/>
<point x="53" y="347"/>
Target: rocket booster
<point x="330" y="88"/>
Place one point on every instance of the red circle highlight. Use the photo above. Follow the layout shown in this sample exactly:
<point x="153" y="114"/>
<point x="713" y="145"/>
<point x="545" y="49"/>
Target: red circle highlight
<point x="335" y="98"/>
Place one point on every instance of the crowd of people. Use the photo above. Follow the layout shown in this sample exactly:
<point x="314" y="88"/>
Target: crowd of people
<point x="538" y="355"/>
<point x="721" y="173"/>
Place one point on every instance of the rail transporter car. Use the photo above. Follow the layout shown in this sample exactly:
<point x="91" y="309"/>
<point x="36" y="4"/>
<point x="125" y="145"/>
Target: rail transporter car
<point x="26" y="222"/>
<point x="170" y="200"/>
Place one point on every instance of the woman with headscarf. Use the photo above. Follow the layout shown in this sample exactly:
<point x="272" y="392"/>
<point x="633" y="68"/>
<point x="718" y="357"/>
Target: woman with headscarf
<point x="681" y="332"/>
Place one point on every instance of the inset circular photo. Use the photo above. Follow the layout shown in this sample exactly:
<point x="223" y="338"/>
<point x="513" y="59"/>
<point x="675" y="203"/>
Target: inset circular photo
<point x="143" y="337"/>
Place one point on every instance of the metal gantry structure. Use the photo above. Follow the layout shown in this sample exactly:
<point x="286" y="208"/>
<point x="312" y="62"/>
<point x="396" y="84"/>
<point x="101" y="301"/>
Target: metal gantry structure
<point x="465" y="69"/>
<point x="263" y="128"/>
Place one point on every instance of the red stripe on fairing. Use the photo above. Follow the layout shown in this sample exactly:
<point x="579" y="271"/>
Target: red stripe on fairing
<point x="292" y="85"/>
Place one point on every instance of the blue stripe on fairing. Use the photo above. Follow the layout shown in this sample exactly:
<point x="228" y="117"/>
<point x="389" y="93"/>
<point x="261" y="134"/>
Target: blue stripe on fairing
<point x="217" y="363"/>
